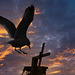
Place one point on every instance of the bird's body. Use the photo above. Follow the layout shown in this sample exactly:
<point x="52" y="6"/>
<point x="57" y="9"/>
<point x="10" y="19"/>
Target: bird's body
<point x="19" y="42"/>
<point x="19" y="34"/>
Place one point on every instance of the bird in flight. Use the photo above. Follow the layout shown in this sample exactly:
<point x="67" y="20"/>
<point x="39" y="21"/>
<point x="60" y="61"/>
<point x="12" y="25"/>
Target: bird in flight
<point x="19" y="34"/>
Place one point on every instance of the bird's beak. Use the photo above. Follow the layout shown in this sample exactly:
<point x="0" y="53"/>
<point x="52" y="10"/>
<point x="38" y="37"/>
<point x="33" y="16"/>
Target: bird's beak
<point x="29" y="47"/>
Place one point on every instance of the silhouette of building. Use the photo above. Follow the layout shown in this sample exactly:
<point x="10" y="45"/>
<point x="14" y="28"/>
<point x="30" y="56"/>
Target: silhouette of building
<point x="36" y="68"/>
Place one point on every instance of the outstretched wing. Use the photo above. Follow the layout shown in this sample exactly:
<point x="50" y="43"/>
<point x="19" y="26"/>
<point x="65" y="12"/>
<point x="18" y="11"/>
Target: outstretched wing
<point x="27" y="19"/>
<point x="8" y="25"/>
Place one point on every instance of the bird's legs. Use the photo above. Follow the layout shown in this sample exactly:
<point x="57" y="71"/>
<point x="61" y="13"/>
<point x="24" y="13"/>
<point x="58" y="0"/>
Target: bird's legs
<point x="17" y="50"/>
<point x="22" y="51"/>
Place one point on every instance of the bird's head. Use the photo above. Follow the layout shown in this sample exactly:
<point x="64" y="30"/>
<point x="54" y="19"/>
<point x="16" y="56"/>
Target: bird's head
<point x="29" y="47"/>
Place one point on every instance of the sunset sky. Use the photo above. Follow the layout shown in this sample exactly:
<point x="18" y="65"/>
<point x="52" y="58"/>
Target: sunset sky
<point x="54" y="24"/>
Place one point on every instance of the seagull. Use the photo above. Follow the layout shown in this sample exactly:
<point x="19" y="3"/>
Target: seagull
<point x="19" y="34"/>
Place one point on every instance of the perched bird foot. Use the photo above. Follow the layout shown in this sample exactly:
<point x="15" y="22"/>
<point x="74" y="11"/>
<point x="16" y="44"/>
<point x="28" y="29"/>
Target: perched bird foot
<point x="17" y="51"/>
<point x="23" y="52"/>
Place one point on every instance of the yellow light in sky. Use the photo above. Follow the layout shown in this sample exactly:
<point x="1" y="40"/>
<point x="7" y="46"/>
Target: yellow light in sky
<point x="1" y="46"/>
<point x="37" y="11"/>
<point x="3" y="31"/>
<point x="20" y="19"/>
<point x="6" y="52"/>
<point x="55" y="64"/>
<point x="1" y="64"/>
<point x="54" y="72"/>
<point x="31" y="32"/>
<point x="31" y="24"/>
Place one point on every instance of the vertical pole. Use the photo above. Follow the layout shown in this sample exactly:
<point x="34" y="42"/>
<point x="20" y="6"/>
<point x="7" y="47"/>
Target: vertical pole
<point x="43" y="48"/>
<point x="40" y="55"/>
<point x="34" y="66"/>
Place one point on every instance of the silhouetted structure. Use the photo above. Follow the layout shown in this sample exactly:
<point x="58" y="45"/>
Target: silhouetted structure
<point x="36" y="69"/>
<point x="19" y="34"/>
